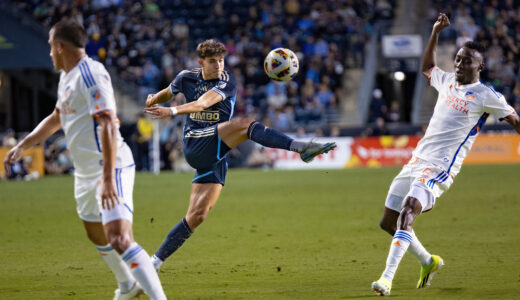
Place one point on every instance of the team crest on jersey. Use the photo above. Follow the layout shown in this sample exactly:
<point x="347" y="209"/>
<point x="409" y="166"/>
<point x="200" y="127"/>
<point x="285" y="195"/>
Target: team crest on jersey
<point x="96" y="95"/>
<point x="221" y="85"/>
<point x="469" y="95"/>
<point x="68" y="91"/>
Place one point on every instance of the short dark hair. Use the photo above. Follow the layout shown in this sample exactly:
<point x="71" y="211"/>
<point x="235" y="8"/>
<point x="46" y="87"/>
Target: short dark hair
<point x="475" y="46"/>
<point x="71" y="31"/>
<point x="210" y="48"/>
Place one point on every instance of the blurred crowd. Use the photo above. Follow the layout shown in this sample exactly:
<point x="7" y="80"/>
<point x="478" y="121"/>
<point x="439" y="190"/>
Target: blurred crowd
<point x="57" y="159"/>
<point x="149" y="42"/>
<point x="496" y="25"/>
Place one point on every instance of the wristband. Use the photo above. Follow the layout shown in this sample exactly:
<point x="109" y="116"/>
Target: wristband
<point x="174" y="110"/>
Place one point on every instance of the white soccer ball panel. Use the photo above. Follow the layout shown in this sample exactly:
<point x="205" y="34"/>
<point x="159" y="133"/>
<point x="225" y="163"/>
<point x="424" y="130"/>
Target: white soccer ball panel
<point x="281" y="64"/>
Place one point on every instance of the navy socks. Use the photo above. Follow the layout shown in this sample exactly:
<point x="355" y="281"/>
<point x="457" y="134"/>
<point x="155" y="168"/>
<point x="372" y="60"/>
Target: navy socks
<point x="174" y="240"/>
<point x="268" y="137"/>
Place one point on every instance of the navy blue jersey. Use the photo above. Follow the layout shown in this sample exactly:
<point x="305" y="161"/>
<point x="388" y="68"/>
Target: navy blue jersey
<point x="192" y="85"/>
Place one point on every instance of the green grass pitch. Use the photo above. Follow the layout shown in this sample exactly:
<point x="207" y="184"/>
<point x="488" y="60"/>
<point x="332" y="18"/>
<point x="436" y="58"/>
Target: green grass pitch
<point x="272" y="235"/>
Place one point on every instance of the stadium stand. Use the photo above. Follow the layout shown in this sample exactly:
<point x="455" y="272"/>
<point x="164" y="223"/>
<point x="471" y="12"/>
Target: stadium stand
<point x="148" y="42"/>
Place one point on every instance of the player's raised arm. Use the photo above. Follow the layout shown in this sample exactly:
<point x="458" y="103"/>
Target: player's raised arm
<point x="206" y="100"/>
<point x="45" y="129"/>
<point x="429" y="59"/>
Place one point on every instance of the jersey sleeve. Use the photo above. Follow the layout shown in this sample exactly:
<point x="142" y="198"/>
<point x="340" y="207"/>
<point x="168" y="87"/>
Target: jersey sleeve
<point x="97" y="89"/>
<point x="176" y="84"/>
<point x="437" y="77"/>
<point x="226" y="87"/>
<point x="495" y="103"/>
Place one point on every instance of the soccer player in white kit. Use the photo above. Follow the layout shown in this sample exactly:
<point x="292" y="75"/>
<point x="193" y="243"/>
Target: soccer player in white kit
<point x="461" y="110"/>
<point x="103" y="163"/>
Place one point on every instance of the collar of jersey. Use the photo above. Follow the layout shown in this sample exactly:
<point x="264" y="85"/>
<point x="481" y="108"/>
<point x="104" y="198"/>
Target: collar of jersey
<point x="458" y="85"/>
<point x="76" y="66"/>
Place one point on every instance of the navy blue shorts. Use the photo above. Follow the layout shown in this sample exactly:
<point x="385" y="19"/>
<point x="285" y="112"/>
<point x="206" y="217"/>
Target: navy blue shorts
<point x="206" y="153"/>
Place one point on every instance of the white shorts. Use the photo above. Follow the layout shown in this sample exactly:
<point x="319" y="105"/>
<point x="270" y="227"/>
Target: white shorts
<point x="420" y="179"/>
<point x="88" y="197"/>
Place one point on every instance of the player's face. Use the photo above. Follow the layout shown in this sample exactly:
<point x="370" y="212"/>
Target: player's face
<point x="468" y="64"/>
<point x="55" y="56"/>
<point x="212" y="66"/>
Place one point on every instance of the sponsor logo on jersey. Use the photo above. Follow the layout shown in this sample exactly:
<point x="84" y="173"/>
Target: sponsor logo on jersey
<point x="469" y="95"/>
<point x="205" y="116"/>
<point x="455" y="103"/>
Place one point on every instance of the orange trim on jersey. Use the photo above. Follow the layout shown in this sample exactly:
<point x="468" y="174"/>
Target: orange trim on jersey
<point x="508" y="116"/>
<point x="429" y="76"/>
<point x="101" y="112"/>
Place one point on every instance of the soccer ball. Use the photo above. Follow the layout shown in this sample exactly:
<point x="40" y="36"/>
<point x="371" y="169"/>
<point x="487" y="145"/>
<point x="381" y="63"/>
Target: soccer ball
<point x="281" y="64"/>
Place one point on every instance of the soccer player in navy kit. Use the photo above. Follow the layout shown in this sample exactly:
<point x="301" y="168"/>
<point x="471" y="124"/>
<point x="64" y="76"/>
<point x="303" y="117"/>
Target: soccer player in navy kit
<point x="209" y="134"/>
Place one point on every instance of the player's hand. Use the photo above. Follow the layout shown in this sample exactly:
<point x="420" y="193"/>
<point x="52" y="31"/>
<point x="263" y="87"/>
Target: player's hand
<point x="11" y="157"/>
<point x="441" y="23"/>
<point x="109" y="197"/>
<point x="149" y="100"/>
<point x="158" y="112"/>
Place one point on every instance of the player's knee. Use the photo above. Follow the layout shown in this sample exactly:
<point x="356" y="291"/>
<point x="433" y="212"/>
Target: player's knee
<point x="196" y="217"/>
<point x="120" y="242"/>
<point x="244" y="123"/>
<point x="412" y="205"/>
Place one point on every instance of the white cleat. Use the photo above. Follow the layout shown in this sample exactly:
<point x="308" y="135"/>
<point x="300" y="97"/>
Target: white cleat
<point x="135" y="292"/>
<point x="382" y="287"/>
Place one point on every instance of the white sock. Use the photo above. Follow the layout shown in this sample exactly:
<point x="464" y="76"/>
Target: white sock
<point x="142" y="269"/>
<point x="418" y="250"/>
<point x="156" y="261"/>
<point x="123" y="275"/>
<point x="400" y="243"/>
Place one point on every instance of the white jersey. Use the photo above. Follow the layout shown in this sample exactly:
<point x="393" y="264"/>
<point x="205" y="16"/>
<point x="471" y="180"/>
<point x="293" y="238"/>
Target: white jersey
<point x="83" y="92"/>
<point x="459" y="114"/>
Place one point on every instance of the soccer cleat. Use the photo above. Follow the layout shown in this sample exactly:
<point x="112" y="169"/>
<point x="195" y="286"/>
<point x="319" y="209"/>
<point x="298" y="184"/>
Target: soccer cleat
<point x="382" y="287"/>
<point x="427" y="272"/>
<point x="314" y="149"/>
<point x="156" y="262"/>
<point x="135" y="292"/>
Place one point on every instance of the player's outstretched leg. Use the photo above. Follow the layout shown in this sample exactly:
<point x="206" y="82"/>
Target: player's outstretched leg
<point x="272" y="138"/>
